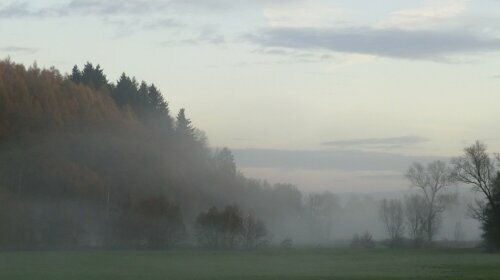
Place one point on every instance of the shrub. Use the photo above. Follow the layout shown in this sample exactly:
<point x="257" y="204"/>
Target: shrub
<point x="364" y="241"/>
<point x="286" y="243"/>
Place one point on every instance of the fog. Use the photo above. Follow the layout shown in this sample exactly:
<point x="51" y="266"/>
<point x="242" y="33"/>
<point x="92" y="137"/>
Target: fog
<point x="86" y="162"/>
<point x="359" y="213"/>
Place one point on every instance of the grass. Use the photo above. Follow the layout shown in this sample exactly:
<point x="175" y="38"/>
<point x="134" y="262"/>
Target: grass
<point x="266" y="264"/>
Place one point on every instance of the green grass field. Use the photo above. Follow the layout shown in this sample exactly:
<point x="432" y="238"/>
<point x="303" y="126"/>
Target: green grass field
<point x="266" y="264"/>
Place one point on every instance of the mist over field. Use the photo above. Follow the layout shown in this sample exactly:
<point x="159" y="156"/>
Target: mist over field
<point x="249" y="139"/>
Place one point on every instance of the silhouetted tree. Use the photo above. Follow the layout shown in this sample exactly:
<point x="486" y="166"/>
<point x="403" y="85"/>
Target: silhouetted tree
<point x="254" y="232"/>
<point x="415" y="210"/>
<point x="392" y="215"/>
<point x="491" y="218"/>
<point x="320" y="209"/>
<point x="475" y="167"/>
<point x="432" y="181"/>
<point x="224" y="162"/>
<point x="227" y="229"/>
<point x="126" y="92"/>
<point x="157" y="102"/>
<point x="183" y="129"/>
<point x="76" y="75"/>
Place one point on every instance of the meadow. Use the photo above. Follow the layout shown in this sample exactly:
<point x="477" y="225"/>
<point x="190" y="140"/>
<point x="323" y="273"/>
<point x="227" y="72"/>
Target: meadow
<point x="262" y="264"/>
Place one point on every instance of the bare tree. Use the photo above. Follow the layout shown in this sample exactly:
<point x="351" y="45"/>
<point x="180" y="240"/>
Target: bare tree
<point x="321" y="208"/>
<point x="392" y="215"/>
<point x="254" y="232"/>
<point x="475" y="167"/>
<point x="415" y="209"/>
<point x="432" y="181"/>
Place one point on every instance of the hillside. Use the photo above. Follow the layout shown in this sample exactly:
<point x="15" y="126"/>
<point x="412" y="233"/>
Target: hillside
<point x="87" y="162"/>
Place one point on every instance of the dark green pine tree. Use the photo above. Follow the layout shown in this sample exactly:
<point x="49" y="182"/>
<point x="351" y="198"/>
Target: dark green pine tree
<point x="76" y="75"/>
<point x="143" y="105"/>
<point x="126" y="92"/>
<point x="158" y="103"/>
<point x="160" y="113"/>
<point x="94" y="77"/>
<point x="184" y="130"/>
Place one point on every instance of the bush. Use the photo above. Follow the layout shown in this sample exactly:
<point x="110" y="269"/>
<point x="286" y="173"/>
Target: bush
<point x="364" y="241"/>
<point x="150" y="222"/>
<point x="227" y="229"/>
<point x="286" y="243"/>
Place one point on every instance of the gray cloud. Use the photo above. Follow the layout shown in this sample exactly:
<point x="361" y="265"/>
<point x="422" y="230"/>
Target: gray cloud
<point x="390" y="142"/>
<point x="106" y="8"/>
<point x="163" y="23"/>
<point x="17" y="49"/>
<point x="15" y="10"/>
<point x="495" y="77"/>
<point x="22" y="9"/>
<point x="272" y="51"/>
<point x="208" y="36"/>
<point x="325" y="159"/>
<point x="205" y="36"/>
<point x="395" y="43"/>
<point x="127" y="16"/>
<point x="293" y="54"/>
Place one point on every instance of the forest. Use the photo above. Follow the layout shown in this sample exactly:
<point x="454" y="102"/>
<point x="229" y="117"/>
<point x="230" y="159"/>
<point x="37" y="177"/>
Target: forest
<point x="90" y="163"/>
<point x="85" y="162"/>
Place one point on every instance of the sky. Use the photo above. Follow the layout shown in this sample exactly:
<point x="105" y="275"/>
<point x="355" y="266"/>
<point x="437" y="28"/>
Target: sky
<point x="338" y="95"/>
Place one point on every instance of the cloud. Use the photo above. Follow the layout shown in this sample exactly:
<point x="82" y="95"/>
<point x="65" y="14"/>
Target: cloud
<point x="22" y="9"/>
<point x="208" y="36"/>
<point x="163" y="23"/>
<point x="17" y="49"/>
<point x="290" y="56"/>
<point x="394" y="43"/>
<point x="312" y="13"/>
<point x="14" y="10"/>
<point x="99" y="7"/>
<point x="399" y="142"/>
<point x="205" y="36"/>
<point x="106" y="8"/>
<point x="495" y="77"/>
<point x="325" y="159"/>
<point x="433" y="11"/>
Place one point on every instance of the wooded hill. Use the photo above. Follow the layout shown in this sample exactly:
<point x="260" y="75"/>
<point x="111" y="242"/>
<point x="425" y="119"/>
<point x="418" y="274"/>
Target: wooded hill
<point x="88" y="162"/>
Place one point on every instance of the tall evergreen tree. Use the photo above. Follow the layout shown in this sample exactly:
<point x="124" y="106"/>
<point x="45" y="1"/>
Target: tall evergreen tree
<point x="224" y="162"/>
<point x="126" y="92"/>
<point x="158" y="103"/>
<point x="76" y="75"/>
<point x="184" y="130"/>
<point x="94" y="77"/>
<point x="143" y="100"/>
